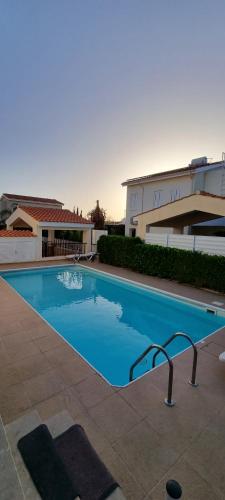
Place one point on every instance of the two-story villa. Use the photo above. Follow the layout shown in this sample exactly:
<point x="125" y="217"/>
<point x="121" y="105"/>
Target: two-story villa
<point x="153" y="191"/>
<point x="9" y="202"/>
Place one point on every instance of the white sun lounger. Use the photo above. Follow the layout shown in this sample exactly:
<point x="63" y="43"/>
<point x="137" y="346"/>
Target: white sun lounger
<point x="87" y="256"/>
<point x="222" y="357"/>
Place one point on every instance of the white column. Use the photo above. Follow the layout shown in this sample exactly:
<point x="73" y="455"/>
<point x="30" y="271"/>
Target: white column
<point x="87" y="240"/>
<point x="51" y="234"/>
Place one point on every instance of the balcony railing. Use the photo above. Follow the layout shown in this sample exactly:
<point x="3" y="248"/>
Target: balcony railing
<point x="58" y="248"/>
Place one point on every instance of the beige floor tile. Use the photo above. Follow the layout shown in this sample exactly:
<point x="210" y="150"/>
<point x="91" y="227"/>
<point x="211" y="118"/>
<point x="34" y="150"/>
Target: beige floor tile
<point x="32" y="366"/>
<point x="194" y="487"/>
<point x="59" y="423"/>
<point x="13" y="401"/>
<point x="96" y="435"/>
<point x="48" y="343"/>
<point x="114" y="416"/>
<point x="143" y="396"/>
<point x="93" y="390"/>
<point x="27" y="484"/>
<point x="74" y="372"/>
<point x="21" y="350"/>
<point x="44" y="386"/>
<point x="18" y="428"/>
<point x="207" y="453"/>
<point x="146" y="455"/>
<point x="4" y="357"/>
<point x="131" y="489"/>
<point x="9" y="484"/>
<point x="60" y="355"/>
<point x="9" y="375"/>
<point x="213" y="348"/>
<point x="65" y="400"/>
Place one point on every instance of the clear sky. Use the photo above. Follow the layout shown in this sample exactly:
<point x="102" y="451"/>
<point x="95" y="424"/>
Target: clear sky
<point x="93" y="92"/>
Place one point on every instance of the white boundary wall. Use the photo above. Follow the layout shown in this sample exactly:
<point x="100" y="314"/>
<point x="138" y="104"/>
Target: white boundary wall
<point x="96" y="233"/>
<point x="18" y="249"/>
<point x="214" y="245"/>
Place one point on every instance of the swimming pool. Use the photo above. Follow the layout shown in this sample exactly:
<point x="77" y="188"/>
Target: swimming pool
<point x="110" y="321"/>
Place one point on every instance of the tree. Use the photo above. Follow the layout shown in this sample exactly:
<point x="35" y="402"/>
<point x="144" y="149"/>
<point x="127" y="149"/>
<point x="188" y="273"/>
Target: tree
<point x="98" y="216"/>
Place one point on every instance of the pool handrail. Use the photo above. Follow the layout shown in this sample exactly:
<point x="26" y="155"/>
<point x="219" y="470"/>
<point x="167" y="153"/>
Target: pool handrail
<point x="168" y="401"/>
<point x="195" y="356"/>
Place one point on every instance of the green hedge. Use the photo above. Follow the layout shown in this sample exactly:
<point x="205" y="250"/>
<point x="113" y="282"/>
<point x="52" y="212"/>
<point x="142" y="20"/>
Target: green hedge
<point x="195" y="268"/>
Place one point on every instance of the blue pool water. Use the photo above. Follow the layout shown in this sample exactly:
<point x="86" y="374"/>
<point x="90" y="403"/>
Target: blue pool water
<point x="110" y="322"/>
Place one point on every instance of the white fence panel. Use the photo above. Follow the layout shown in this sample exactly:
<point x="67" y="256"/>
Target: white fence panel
<point x="212" y="245"/>
<point x="156" y="239"/>
<point x="18" y="249"/>
<point x="183" y="241"/>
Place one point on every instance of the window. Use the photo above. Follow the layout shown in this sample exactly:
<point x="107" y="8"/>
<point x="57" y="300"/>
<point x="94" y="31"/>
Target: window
<point x="133" y="201"/>
<point x="174" y="194"/>
<point x="157" y="198"/>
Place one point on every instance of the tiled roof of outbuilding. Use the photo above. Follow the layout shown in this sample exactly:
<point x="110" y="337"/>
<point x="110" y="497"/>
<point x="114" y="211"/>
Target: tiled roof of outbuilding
<point x="54" y="215"/>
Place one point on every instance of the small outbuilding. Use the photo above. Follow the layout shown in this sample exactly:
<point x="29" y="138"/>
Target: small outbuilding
<point x="42" y="223"/>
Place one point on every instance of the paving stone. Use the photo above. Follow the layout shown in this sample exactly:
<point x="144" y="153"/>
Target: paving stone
<point x="60" y="355"/>
<point x="3" y="441"/>
<point x="8" y="475"/>
<point x="44" y="386"/>
<point x="13" y="401"/>
<point x="145" y="454"/>
<point x="28" y="487"/>
<point x="59" y="423"/>
<point x="131" y="489"/>
<point x="48" y="343"/>
<point x="93" y="390"/>
<point x="114" y="416"/>
<point x="194" y="487"/>
<point x="65" y="400"/>
<point x="19" y="428"/>
<point x="207" y="453"/>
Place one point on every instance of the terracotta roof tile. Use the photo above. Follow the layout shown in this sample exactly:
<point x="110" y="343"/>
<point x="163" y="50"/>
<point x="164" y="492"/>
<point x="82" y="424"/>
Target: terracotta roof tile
<point x="54" y="215"/>
<point x="15" y="233"/>
<point x="31" y="198"/>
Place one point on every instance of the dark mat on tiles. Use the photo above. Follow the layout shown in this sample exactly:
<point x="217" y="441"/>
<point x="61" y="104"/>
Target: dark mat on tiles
<point x="93" y="479"/>
<point x="45" y="466"/>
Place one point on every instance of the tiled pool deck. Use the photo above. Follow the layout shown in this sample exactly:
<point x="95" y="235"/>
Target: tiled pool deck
<point x="142" y="441"/>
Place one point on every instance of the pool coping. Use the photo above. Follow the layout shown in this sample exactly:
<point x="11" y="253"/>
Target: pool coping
<point x="193" y="302"/>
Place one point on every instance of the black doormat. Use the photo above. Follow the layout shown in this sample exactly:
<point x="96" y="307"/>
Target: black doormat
<point x="45" y="466"/>
<point x="85" y="468"/>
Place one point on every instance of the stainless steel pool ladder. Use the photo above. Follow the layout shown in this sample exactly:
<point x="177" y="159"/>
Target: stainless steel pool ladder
<point x="161" y="348"/>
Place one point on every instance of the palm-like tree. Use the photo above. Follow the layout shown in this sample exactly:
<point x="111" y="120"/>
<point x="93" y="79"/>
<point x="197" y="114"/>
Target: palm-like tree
<point x="98" y="216"/>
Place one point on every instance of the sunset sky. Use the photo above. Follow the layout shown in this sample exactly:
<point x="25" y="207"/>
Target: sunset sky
<point x="93" y="92"/>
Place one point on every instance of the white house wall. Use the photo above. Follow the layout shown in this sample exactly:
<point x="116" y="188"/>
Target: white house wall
<point x="143" y="197"/>
<point x="215" y="181"/>
<point x="18" y="249"/>
<point x="148" y="195"/>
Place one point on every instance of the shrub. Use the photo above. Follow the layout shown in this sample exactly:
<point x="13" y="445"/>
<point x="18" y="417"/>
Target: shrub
<point x="195" y="268"/>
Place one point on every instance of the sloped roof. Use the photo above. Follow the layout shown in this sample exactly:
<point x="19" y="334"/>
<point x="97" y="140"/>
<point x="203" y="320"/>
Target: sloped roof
<point x="182" y="171"/>
<point x="54" y="215"/>
<point x="14" y="233"/>
<point x="31" y="198"/>
<point x="169" y="203"/>
<point x="186" y="211"/>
